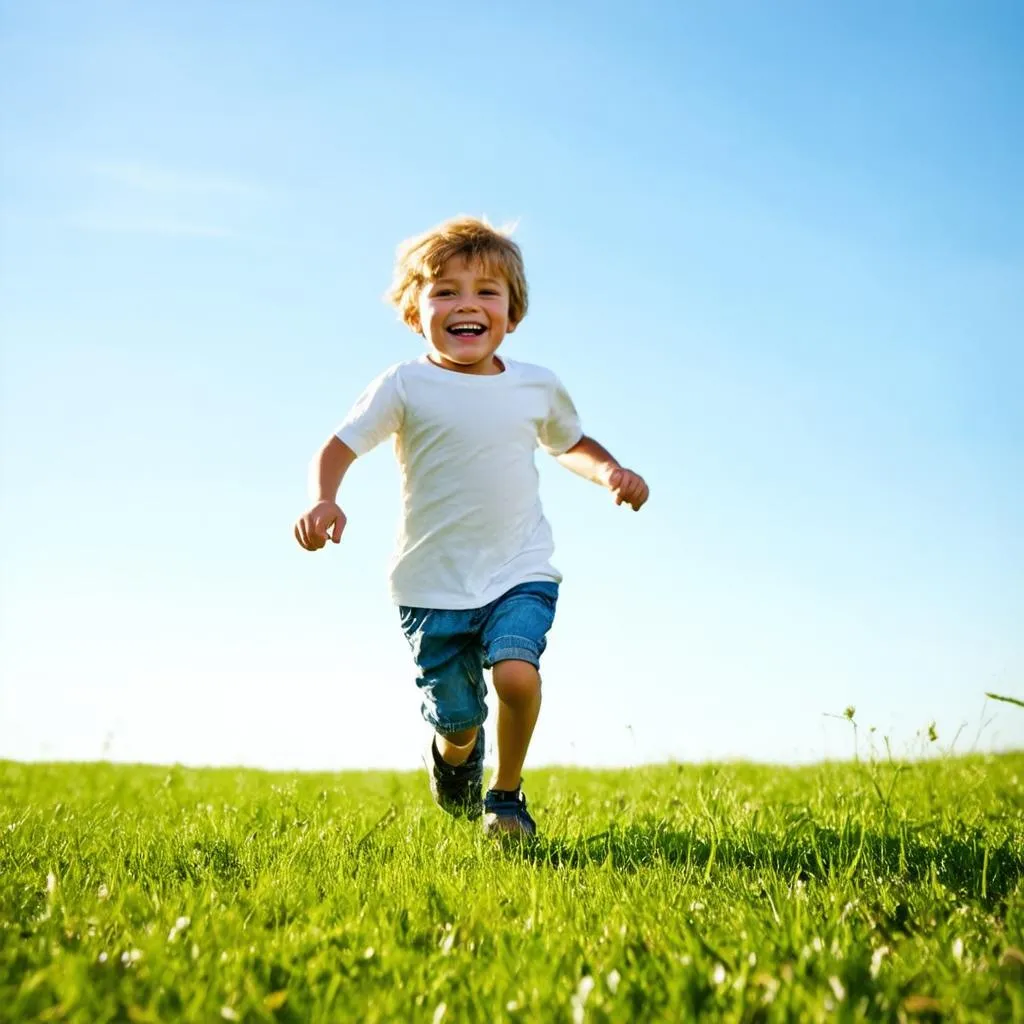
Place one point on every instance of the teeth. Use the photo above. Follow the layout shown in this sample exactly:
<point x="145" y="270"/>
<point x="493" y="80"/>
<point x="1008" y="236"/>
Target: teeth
<point x="465" y="327"/>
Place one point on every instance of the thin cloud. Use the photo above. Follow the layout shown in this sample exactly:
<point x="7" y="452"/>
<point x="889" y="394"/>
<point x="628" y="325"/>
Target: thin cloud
<point x="166" y="228"/>
<point x="166" y="182"/>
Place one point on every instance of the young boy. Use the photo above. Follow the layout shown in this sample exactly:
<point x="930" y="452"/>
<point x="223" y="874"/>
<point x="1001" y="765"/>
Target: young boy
<point x="471" y="574"/>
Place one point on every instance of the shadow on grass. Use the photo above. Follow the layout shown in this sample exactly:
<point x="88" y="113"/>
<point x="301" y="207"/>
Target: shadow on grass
<point x="965" y="865"/>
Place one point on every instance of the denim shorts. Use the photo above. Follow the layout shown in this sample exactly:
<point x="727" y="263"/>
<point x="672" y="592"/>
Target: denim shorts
<point x="453" y="647"/>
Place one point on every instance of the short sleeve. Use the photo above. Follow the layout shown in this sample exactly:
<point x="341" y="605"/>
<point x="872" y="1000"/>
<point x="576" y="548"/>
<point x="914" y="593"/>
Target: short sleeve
<point x="376" y="415"/>
<point x="561" y="429"/>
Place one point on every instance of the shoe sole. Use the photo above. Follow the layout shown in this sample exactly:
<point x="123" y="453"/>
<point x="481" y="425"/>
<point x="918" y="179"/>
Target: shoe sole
<point x="506" y="828"/>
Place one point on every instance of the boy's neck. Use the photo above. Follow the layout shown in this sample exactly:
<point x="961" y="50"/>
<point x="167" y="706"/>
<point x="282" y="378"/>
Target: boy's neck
<point x="487" y="368"/>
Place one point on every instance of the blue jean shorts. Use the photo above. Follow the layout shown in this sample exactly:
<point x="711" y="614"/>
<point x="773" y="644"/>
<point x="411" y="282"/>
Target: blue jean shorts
<point x="453" y="647"/>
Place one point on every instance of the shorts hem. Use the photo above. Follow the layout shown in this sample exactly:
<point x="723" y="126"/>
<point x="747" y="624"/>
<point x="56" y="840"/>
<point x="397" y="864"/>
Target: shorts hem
<point x="510" y="652"/>
<point x="445" y="727"/>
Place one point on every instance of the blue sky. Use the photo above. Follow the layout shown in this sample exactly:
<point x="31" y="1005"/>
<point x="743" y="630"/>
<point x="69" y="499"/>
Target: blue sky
<point x="776" y="253"/>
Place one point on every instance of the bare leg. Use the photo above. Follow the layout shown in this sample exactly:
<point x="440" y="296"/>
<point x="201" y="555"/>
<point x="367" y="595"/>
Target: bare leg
<point x="517" y="684"/>
<point x="456" y="746"/>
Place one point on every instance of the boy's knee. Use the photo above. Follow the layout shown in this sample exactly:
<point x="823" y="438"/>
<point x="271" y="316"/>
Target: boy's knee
<point x="516" y="682"/>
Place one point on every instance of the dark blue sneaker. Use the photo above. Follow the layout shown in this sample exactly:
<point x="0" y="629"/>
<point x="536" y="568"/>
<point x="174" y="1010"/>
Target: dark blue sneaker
<point x="505" y="813"/>
<point x="456" y="788"/>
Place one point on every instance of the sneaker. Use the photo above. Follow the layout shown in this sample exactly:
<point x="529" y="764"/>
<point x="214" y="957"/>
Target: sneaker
<point x="505" y="813"/>
<point x="456" y="788"/>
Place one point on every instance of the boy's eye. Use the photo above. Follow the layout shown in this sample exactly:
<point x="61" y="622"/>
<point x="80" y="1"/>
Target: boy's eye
<point x="488" y="291"/>
<point x="443" y="291"/>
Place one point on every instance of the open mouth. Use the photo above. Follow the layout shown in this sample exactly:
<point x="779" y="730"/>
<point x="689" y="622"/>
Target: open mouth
<point x="466" y="330"/>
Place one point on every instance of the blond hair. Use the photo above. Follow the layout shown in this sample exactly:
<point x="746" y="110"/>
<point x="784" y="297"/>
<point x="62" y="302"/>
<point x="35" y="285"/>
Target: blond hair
<point x="421" y="259"/>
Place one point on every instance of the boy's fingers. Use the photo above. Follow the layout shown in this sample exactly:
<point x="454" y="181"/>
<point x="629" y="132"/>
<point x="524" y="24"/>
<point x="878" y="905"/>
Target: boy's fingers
<point x="339" y="526"/>
<point x="300" y="534"/>
<point x="636" y="493"/>
<point x="628" y="487"/>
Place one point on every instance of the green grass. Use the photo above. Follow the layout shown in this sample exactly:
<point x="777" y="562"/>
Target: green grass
<point x="736" y="892"/>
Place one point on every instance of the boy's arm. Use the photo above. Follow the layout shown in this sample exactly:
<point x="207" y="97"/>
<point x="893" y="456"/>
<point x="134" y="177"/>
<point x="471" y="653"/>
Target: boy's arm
<point x="326" y="472"/>
<point x="588" y="459"/>
<point x="592" y="461"/>
<point x="328" y="469"/>
<point x="376" y="415"/>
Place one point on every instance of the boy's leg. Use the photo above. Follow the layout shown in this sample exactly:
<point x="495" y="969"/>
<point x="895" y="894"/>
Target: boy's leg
<point x="517" y="684"/>
<point x="455" y="747"/>
<point x="514" y="638"/>
<point x="449" y="659"/>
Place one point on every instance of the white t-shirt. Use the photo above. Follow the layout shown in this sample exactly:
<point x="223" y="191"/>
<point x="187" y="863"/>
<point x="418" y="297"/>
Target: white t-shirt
<point x="472" y="524"/>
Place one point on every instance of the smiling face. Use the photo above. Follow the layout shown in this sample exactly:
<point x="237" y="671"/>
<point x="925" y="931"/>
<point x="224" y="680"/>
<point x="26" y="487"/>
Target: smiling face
<point x="464" y="316"/>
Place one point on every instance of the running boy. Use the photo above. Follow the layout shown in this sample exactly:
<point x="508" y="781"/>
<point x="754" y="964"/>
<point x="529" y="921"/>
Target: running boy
<point x="471" y="574"/>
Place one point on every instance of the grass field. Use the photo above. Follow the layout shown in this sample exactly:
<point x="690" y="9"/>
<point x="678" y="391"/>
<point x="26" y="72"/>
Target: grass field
<point x="853" y="891"/>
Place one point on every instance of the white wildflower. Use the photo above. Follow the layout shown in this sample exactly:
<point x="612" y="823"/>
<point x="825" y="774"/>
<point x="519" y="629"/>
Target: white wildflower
<point x="958" y="949"/>
<point x="103" y="893"/>
<point x="837" y="988"/>
<point x="579" y="1000"/>
<point x="439" y="1012"/>
<point x="612" y="978"/>
<point x="718" y="974"/>
<point x="876" y="960"/>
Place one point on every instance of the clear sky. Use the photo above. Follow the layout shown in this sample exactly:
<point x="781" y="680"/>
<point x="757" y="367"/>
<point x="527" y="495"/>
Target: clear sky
<point x="776" y="253"/>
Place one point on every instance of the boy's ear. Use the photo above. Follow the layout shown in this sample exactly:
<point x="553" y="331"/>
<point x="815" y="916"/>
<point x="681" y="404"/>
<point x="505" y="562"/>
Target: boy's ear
<point x="412" y="319"/>
<point x="512" y="325"/>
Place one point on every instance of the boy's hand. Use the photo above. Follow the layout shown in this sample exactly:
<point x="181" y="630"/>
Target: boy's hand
<point x="628" y="487"/>
<point x="313" y="529"/>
